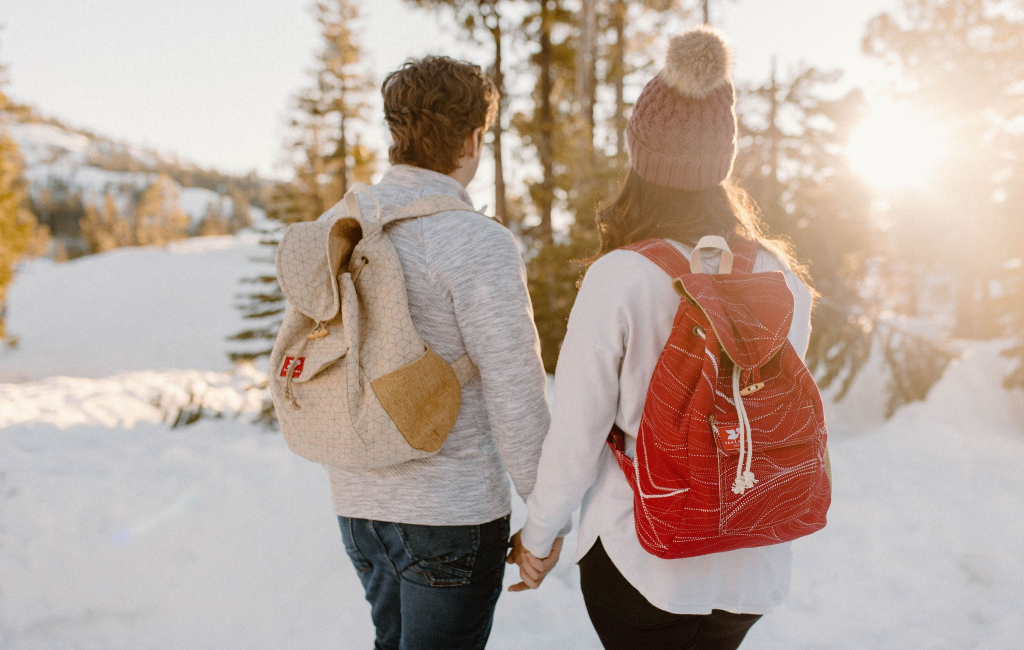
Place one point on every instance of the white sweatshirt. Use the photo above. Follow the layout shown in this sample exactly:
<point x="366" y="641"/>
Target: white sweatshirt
<point x="618" y="328"/>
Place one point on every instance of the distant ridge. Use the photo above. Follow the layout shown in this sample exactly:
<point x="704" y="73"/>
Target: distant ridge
<point x="67" y="167"/>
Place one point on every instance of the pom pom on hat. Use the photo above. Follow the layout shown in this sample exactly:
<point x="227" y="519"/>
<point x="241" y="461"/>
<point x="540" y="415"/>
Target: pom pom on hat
<point x="682" y="133"/>
<point x="697" y="63"/>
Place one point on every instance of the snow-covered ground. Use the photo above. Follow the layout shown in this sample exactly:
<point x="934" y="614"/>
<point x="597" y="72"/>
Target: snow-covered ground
<point x="130" y="309"/>
<point x="117" y="531"/>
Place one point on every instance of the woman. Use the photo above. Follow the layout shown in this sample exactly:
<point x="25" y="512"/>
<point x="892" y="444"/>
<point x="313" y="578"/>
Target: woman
<point x="682" y="142"/>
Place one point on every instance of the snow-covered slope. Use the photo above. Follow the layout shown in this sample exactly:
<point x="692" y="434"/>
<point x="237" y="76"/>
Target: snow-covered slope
<point x="118" y="532"/>
<point x="61" y="157"/>
<point x="129" y="309"/>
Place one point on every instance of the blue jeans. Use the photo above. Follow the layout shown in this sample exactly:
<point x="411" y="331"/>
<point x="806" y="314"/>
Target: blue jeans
<point x="429" y="587"/>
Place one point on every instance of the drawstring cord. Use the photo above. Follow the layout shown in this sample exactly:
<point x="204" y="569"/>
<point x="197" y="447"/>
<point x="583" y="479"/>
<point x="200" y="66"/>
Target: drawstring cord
<point x="319" y="331"/>
<point x="744" y="477"/>
<point x="291" y="374"/>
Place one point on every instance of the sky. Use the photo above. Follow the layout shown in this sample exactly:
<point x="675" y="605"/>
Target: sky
<point x="211" y="80"/>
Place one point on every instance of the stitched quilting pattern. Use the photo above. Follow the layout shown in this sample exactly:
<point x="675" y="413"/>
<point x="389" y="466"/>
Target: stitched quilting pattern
<point x="330" y="414"/>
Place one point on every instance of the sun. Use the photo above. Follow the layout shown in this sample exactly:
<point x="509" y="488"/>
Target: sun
<point x="896" y="147"/>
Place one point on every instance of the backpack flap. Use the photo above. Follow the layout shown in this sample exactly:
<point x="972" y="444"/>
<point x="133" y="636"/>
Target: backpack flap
<point x="318" y="346"/>
<point x="309" y="258"/>
<point x="750" y="313"/>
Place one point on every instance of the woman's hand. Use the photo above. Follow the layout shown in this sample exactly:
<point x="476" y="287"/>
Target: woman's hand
<point x="532" y="570"/>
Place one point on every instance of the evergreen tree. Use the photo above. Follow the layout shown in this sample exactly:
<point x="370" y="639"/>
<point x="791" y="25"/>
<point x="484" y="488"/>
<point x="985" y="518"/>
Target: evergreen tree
<point x="215" y="220"/>
<point x="18" y="228"/>
<point x="241" y="211"/>
<point x="548" y="130"/>
<point x="480" y="21"/>
<point x="104" y="230"/>
<point x="159" y="218"/>
<point x="17" y="225"/>
<point x="585" y="47"/>
<point x="327" y="154"/>
<point x="60" y="208"/>
<point x="964" y="59"/>
<point x="324" y="150"/>
<point x="791" y="160"/>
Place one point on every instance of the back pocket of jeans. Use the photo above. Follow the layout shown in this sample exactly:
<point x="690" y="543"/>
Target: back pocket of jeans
<point x="442" y="555"/>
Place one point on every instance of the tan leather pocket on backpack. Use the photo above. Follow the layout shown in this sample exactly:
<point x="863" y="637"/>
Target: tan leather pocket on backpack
<point x="423" y="399"/>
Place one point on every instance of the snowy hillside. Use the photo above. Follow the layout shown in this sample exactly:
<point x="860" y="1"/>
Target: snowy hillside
<point x="119" y="532"/>
<point x="57" y="156"/>
<point x="129" y="309"/>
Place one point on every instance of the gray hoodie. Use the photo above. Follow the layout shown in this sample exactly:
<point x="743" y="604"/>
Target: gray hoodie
<point x="467" y="293"/>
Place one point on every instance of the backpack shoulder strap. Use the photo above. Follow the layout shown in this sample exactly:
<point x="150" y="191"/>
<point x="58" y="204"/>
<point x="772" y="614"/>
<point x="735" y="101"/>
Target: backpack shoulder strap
<point x="664" y="254"/>
<point x="744" y="254"/>
<point x="428" y="206"/>
<point x="673" y="262"/>
<point x="422" y="207"/>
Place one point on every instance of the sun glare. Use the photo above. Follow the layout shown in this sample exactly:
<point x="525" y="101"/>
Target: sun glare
<point x="896" y="147"/>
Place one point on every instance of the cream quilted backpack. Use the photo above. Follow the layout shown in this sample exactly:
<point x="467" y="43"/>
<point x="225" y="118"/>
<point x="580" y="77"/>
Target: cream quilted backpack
<point x="353" y="384"/>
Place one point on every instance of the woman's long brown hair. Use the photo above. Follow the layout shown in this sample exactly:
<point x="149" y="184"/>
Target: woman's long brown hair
<point x="644" y="210"/>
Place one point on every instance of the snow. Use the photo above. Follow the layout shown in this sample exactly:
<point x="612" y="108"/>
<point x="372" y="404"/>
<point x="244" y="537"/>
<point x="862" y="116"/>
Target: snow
<point x="117" y="531"/>
<point x="195" y="200"/>
<point x="923" y="543"/>
<point x="41" y="143"/>
<point x="130" y="309"/>
<point x="56" y="155"/>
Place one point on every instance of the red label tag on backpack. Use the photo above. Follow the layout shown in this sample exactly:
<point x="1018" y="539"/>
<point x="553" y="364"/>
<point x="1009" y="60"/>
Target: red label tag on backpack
<point x="296" y="371"/>
<point x="729" y="437"/>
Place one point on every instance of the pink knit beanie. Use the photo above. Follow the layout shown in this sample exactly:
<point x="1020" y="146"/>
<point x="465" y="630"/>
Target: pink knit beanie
<point x="683" y="130"/>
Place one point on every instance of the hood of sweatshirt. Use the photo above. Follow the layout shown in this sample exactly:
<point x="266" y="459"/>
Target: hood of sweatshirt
<point x="403" y="184"/>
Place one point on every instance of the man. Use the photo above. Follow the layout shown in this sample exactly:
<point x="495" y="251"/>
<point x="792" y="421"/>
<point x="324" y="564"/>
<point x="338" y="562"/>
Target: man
<point x="429" y="537"/>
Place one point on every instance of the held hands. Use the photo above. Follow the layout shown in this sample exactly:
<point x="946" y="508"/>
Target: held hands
<point x="532" y="570"/>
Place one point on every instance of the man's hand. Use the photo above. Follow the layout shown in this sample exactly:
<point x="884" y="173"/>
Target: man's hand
<point x="532" y="570"/>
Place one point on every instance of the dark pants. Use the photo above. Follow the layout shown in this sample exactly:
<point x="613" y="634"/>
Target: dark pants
<point x="429" y="587"/>
<point x="624" y="619"/>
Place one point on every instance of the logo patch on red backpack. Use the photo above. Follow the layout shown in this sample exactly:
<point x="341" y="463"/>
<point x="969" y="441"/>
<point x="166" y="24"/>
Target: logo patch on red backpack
<point x="731" y="451"/>
<point x="729" y="437"/>
<point x="296" y="371"/>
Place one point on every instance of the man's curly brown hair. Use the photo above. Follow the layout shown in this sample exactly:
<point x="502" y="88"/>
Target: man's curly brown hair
<point x="431" y="106"/>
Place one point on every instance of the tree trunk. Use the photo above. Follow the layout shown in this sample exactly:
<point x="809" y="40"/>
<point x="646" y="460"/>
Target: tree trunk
<point x="315" y="156"/>
<point x="618" y="73"/>
<point x="586" y="55"/>
<point x="342" y="154"/>
<point x="707" y="11"/>
<point x="546" y="147"/>
<point x="774" y="141"/>
<point x="493" y="21"/>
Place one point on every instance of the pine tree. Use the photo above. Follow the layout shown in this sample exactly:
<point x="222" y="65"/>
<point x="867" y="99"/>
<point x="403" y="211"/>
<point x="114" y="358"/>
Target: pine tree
<point x="549" y="128"/>
<point x="104" y="230"/>
<point x="481" y="21"/>
<point x="579" y="144"/>
<point x="964" y="59"/>
<point x="241" y="211"/>
<point x="324" y="150"/>
<point x="159" y="218"/>
<point x="790" y="160"/>
<point x="327" y="155"/>
<point x="18" y="227"/>
<point x="584" y="47"/>
<point x="215" y="220"/>
<point x="792" y="136"/>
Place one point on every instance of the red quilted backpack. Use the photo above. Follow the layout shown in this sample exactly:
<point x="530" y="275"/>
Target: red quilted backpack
<point x="731" y="451"/>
